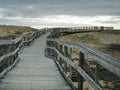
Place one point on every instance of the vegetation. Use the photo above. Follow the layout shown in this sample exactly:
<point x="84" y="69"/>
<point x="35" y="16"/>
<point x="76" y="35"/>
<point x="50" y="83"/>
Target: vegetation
<point x="117" y="32"/>
<point x="105" y="41"/>
<point x="11" y="32"/>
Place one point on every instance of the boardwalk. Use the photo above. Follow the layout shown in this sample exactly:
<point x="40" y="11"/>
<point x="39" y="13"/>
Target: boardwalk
<point x="34" y="71"/>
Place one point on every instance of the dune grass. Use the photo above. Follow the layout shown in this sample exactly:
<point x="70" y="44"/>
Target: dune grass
<point x="11" y="32"/>
<point x="105" y="41"/>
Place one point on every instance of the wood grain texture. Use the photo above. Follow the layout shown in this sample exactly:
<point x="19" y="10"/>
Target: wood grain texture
<point x="34" y="71"/>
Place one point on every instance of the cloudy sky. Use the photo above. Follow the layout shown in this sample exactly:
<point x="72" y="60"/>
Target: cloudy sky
<point x="50" y="13"/>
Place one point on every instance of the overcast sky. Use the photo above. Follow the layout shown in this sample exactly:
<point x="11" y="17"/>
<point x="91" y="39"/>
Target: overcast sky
<point x="49" y="13"/>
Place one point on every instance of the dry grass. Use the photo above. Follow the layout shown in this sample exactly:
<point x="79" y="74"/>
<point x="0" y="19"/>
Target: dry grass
<point x="102" y="41"/>
<point x="11" y="32"/>
<point x="105" y="41"/>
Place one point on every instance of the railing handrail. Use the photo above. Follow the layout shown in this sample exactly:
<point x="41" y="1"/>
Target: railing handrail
<point x="79" y="69"/>
<point x="17" y="39"/>
<point x="18" y="45"/>
<point x="101" y="58"/>
<point x="9" y="54"/>
<point x="59" y="51"/>
<point x="14" y="41"/>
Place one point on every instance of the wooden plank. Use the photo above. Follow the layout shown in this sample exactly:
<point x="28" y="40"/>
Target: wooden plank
<point x="17" y="44"/>
<point x="64" y="74"/>
<point x="102" y="55"/>
<point x="65" y="63"/>
<point x="34" y="71"/>
<point x="80" y="78"/>
<point x="8" y="68"/>
<point x="80" y="70"/>
<point x="110" y="63"/>
<point x="7" y="42"/>
<point x="4" y="42"/>
<point x="17" y="40"/>
<point x="70" y="68"/>
<point x="9" y="54"/>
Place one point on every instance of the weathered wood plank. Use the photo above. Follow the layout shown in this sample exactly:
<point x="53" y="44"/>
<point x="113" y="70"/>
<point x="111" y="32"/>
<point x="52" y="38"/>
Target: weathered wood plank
<point x="80" y="70"/>
<point x="110" y="63"/>
<point x="80" y="78"/>
<point x="8" y="68"/>
<point x="34" y="71"/>
<point x="9" y="54"/>
<point x="7" y="42"/>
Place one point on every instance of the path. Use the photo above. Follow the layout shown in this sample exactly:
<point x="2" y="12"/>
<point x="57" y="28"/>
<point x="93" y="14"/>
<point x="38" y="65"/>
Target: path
<point x="34" y="71"/>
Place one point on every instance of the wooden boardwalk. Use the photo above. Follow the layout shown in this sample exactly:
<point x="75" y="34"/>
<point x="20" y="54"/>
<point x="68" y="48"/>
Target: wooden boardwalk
<point x="34" y="71"/>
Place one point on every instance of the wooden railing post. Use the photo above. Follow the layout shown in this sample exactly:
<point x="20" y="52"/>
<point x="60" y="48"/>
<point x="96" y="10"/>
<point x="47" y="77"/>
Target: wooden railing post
<point x="60" y="50"/>
<point x="49" y="50"/>
<point x="55" y="53"/>
<point x="80" y="78"/>
<point x="57" y="47"/>
<point x="52" y="51"/>
<point x="65" y="64"/>
<point x="70" y="68"/>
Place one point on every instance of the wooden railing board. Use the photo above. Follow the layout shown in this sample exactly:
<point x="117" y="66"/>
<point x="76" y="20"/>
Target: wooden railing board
<point x="100" y="58"/>
<point x="110" y="63"/>
<point x="95" y="52"/>
<point x="9" y="54"/>
<point x="4" y="42"/>
<point x="17" y="45"/>
<point x="8" y="68"/>
<point x="17" y="40"/>
<point x="63" y="73"/>
<point x="7" y="42"/>
<point x="79" y="69"/>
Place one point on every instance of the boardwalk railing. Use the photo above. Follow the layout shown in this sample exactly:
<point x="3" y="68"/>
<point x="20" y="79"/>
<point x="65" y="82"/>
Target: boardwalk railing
<point x="56" y="32"/>
<point x="9" y="50"/>
<point x="62" y="53"/>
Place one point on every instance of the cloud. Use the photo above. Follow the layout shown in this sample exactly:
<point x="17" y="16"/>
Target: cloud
<point x="41" y="13"/>
<point x="65" y="20"/>
<point x="36" y="8"/>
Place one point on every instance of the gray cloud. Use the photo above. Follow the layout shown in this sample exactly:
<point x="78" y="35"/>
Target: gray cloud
<point x="12" y="22"/>
<point x="113" y="20"/>
<point x="9" y="9"/>
<point x="37" y="8"/>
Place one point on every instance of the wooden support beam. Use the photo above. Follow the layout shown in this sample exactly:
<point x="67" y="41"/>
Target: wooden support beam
<point x="80" y="78"/>
<point x="65" y="64"/>
<point x="61" y="50"/>
<point x="70" y="68"/>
